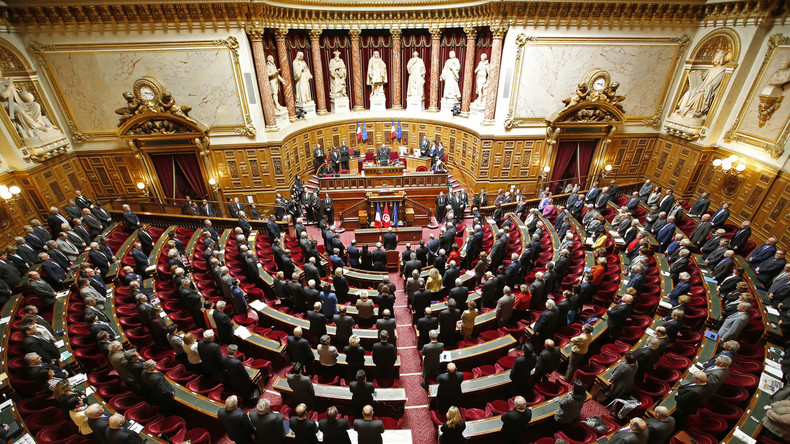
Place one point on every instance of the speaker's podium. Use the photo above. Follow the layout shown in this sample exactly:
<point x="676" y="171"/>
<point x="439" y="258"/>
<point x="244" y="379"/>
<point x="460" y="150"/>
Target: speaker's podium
<point x="395" y="201"/>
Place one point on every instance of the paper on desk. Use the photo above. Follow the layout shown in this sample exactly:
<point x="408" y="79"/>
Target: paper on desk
<point x="740" y="435"/>
<point x="62" y="294"/>
<point x="242" y="332"/>
<point x="769" y="384"/>
<point x="5" y="320"/>
<point x="772" y="363"/>
<point x="154" y="301"/>
<point x="665" y="304"/>
<point x="60" y="343"/>
<point x="88" y="391"/>
<point x="6" y="404"/>
<point x="109" y="292"/>
<point x="650" y="331"/>
<point x="664" y="273"/>
<point x="446" y="357"/>
<point x="772" y="310"/>
<point x="258" y="304"/>
<point x="777" y="372"/>
<point x="614" y="233"/>
<point x="65" y="355"/>
<point x="711" y="280"/>
<point x="135" y="427"/>
<point x="470" y="272"/>
<point x="78" y="379"/>
<point x="25" y="439"/>
<point x="162" y="314"/>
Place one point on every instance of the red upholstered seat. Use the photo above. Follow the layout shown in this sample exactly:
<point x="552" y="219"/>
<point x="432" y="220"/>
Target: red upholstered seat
<point x="575" y="434"/>
<point x="194" y="436"/>
<point x="498" y="407"/>
<point x="713" y="425"/>
<point x="145" y="414"/>
<point x="44" y="418"/>
<point x="167" y="426"/>
<point x="550" y="389"/>
<point x="506" y="362"/>
<point x="473" y="414"/>
<point x="203" y="385"/>
<point x="588" y="373"/>
<point x="122" y="403"/>
<point x="58" y="433"/>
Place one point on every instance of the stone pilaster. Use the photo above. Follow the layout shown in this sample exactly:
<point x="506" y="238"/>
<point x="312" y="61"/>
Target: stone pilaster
<point x="356" y="70"/>
<point x="264" y="89"/>
<point x="469" y="67"/>
<point x="318" y="70"/>
<point x="433" y="100"/>
<point x="285" y="70"/>
<point x="396" y="69"/>
<point x="498" y="34"/>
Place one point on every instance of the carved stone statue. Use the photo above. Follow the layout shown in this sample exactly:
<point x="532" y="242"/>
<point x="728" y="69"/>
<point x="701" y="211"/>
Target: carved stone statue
<point x="377" y="75"/>
<point x="481" y="78"/>
<point x="275" y="80"/>
<point x="23" y="110"/>
<point x="337" y="72"/>
<point x="450" y="75"/>
<point x="416" y="69"/>
<point x="702" y="88"/>
<point x="772" y="95"/>
<point x="302" y="79"/>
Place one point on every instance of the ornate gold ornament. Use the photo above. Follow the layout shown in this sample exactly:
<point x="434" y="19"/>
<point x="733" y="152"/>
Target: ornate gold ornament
<point x="151" y="110"/>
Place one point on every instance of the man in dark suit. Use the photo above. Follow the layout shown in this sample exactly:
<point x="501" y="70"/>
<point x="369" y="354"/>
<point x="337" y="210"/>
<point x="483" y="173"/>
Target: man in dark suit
<point x="98" y="259"/>
<point x="769" y="268"/>
<point x="98" y="422"/>
<point x="420" y="301"/>
<point x="42" y="290"/>
<point x="637" y="278"/>
<point x="317" y="322"/>
<point x="546" y="325"/>
<point x="102" y="215"/>
<point x="268" y="424"/>
<point x="55" y="220"/>
<point x="724" y="267"/>
<point x="379" y="258"/>
<point x="244" y="224"/>
<point x="211" y="355"/>
<point x="665" y="235"/>
<point x="411" y="264"/>
<point x="424" y="327"/>
<point x="689" y="397"/>
<point x="700" y="205"/>
<point x="661" y="427"/>
<point x="299" y="350"/>
<point x="441" y="204"/>
<point x="679" y="265"/>
<point x="33" y="343"/>
<point x="238" y="379"/>
<point x="384" y="356"/>
<point x="521" y="372"/>
<point x="156" y="385"/>
<point x="548" y="360"/>
<point x="131" y="219"/>
<point x="334" y="428"/>
<point x="448" y="319"/>
<point x="92" y="224"/>
<point x="618" y="315"/>
<point x="431" y="354"/>
<point x="116" y="433"/>
<point x="390" y="240"/>
<point x="449" y="391"/>
<point x="344" y="156"/>
<point x="515" y="422"/>
<point x="425" y="145"/>
<point x="224" y="324"/>
<point x="319" y="156"/>
<point x="304" y="428"/>
<point x="327" y="207"/>
<point x="33" y="239"/>
<point x="739" y="239"/>
<point x="636" y="433"/>
<point x="334" y="157"/>
<point x="720" y="217"/>
<point x="368" y="430"/>
<point x="383" y="155"/>
<point x="236" y="422"/>
<point x="72" y="210"/>
<point x="666" y="202"/>
<point x="761" y="253"/>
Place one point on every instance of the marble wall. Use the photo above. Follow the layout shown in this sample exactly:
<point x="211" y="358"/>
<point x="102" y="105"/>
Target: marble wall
<point x="552" y="68"/>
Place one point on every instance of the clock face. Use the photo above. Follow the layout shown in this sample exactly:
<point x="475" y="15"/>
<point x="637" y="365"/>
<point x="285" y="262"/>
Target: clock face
<point x="146" y="93"/>
<point x="599" y="84"/>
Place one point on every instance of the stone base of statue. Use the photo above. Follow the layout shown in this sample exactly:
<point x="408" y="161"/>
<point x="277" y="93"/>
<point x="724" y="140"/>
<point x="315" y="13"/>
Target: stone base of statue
<point x="415" y="104"/>
<point x="477" y="111"/>
<point x="309" y="109"/>
<point x="688" y="128"/>
<point x="46" y="145"/>
<point x="378" y="102"/>
<point x="281" y="116"/>
<point x="340" y="105"/>
<point x="447" y="106"/>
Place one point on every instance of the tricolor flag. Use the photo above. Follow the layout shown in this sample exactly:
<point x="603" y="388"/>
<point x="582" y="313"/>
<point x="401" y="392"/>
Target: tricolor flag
<point x="364" y="132"/>
<point x="386" y="217"/>
<point x="377" y="223"/>
<point x="393" y="133"/>
<point x="395" y="214"/>
<point x="399" y="134"/>
<point x="359" y="132"/>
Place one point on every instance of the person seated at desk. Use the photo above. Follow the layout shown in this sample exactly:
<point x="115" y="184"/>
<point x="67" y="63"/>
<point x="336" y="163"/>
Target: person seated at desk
<point x="438" y="167"/>
<point x="383" y="155"/>
<point x="325" y="169"/>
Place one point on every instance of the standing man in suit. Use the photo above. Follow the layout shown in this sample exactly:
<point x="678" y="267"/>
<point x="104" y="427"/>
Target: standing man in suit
<point x="344" y="156"/>
<point x="238" y="379"/>
<point x="319" y="157"/>
<point x="548" y="360"/>
<point x="666" y="202"/>
<point x="304" y="428"/>
<point x="431" y="353"/>
<point x="334" y="428"/>
<point x="268" y="424"/>
<point x="717" y="374"/>
<point x="383" y="155"/>
<point x="762" y="253"/>
<point x="701" y="231"/>
<point x="390" y="240"/>
<point x="721" y="216"/>
<point x="327" y="207"/>
<point x="425" y="145"/>
<point x="116" y="433"/>
<point x="449" y="391"/>
<point x="769" y="268"/>
<point x="299" y="350"/>
<point x="739" y="239"/>
<point x="660" y="427"/>
<point x="157" y="386"/>
<point x="515" y="422"/>
<point x="131" y="219"/>
<point x="384" y="356"/>
<point x="369" y="430"/>
<point x="700" y="205"/>
<point x="301" y="386"/>
<point x="42" y="290"/>
<point x="635" y="433"/>
<point x="211" y="356"/>
<point x="618" y="315"/>
<point x="735" y="323"/>
<point x="236" y="422"/>
<point x="334" y="157"/>
<point x="689" y="397"/>
<point x="56" y="220"/>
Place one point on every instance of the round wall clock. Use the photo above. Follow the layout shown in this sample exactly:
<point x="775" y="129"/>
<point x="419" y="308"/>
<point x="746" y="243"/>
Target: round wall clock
<point x="148" y="89"/>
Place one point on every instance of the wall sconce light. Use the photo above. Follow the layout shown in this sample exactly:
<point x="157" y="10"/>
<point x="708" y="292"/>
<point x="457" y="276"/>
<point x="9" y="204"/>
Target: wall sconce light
<point x="544" y="173"/>
<point x="10" y="194"/>
<point x="214" y="186"/>
<point x="142" y="188"/>
<point x="606" y="170"/>
<point x="732" y="165"/>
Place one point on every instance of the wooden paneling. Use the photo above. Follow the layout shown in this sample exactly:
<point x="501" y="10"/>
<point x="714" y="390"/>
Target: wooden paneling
<point x="113" y="173"/>
<point x="629" y="155"/>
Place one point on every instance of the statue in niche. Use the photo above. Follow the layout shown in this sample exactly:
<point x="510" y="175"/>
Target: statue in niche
<point x="275" y="80"/>
<point x="481" y="79"/>
<point x="337" y="72"/>
<point x="702" y="88"/>
<point x="416" y="69"/>
<point x="302" y="78"/>
<point x="772" y="95"/>
<point x="377" y="75"/>
<point x="450" y="75"/>
<point x="23" y="110"/>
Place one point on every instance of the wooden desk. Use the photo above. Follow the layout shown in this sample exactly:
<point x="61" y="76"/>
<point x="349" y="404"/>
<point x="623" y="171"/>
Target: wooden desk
<point x="489" y="385"/>
<point x="121" y="253"/>
<point x="369" y="236"/>
<point x="374" y="170"/>
<point x="331" y="393"/>
<point x="469" y="357"/>
<point x="707" y="350"/>
<point x="153" y="258"/>
<point x="711" y="290"/>
<point x="770" y="321"/>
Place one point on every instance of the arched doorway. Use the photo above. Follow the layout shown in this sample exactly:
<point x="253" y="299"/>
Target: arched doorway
<point x="179" y="175"/>
<point x="572" y="163"/>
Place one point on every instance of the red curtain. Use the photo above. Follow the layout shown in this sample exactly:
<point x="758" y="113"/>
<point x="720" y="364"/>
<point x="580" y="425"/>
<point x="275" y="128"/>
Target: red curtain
<point x="419" y="41"/>
<point x="299" y="41"/>
<point x="571" y="164"/>
<point x="380" y="41"/>
<point x="332" y="41"/>
<point x="483" y="47"/>
<point x="165" y="169"/>
<point x="191" y="169"/>
<point x="566" y="152"/>
<point x="586" y="151"/>
<point x="453" y="39"/>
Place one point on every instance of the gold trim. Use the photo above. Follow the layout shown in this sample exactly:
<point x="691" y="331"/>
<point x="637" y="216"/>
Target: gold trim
<point x="41" y="50"/>
<point x="513" y="121"/>
<point x="775" y="149"/>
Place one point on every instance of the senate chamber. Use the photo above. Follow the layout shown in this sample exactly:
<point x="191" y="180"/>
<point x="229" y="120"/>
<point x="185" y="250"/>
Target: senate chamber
<point x="413" y="221"/>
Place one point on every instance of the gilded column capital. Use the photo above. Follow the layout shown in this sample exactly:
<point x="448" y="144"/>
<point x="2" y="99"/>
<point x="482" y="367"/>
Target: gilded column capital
<point x="470" y="31"/>
<point x="498" y="31"/>
<point x="315" y="34"/>
<point x="255" y="32"/>
<point x="396" y="32"/>
<point x="354" y="33"/>
<point x="436" y="33"/>
<point x="281" y="33"/>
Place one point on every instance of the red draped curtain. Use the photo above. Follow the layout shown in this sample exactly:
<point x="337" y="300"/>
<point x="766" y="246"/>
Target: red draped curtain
<point x="419" y="41"/>
<point x="330" y="42"/>
<point x="298" y="40"/>
<point x="483" y="47"/>
<point x="188" y="163"/>
<point x="165" y="169"/>
<point x="584" y="159"/>
<point x="453" y="39"/>
<point x="179" y="175"/>
<point x="572" y="162"/>
<point x="381" y="41"/>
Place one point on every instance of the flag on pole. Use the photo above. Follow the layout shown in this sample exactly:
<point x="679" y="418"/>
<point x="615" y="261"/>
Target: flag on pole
<point x="386" y="217"/>
<point x="377" y="223"/>
<point x="364" y="132"/>
<point x="395" y="214"/>
<point x="400" y="131"/>
<point x="393" y="132"/>
<point x="359" y="132"/>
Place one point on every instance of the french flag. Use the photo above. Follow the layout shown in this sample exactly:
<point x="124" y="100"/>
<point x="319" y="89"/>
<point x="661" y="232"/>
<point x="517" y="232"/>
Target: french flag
<point x="394" y="131"/>
<point x="359" y="132"/>
<point x="377" y="223"/>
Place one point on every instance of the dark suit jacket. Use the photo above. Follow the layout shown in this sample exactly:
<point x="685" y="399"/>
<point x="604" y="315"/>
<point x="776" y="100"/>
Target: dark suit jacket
<point x="335" y="431"/>
<point x="224" y="326"/>
<point x="317" y="324"/>
<point x="211" y="355"/>
<point x="617" y="317"/>
<point x="157" y="385"/>
<point x="99" y="426"/>
<point x="390" y="241"/>
<point x="121" y="436"/>
<point x="361" y="394"/>
<point x="546" y="325"/>
<point x="44" y="348"/>
<point x="424" y="326"/>
<point x="238" y="425"/>
<point x="689" y="397"/>
<point x="513" y="425"/>
<point x="369" y="432"/>
<point x="268" y="427"/>
<point x="299" y="350"/>
<point x="384" y="356"/>
<point x="548" y="361"/>
<point x="304" y="430"/>
<point x="238" y="379"/>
